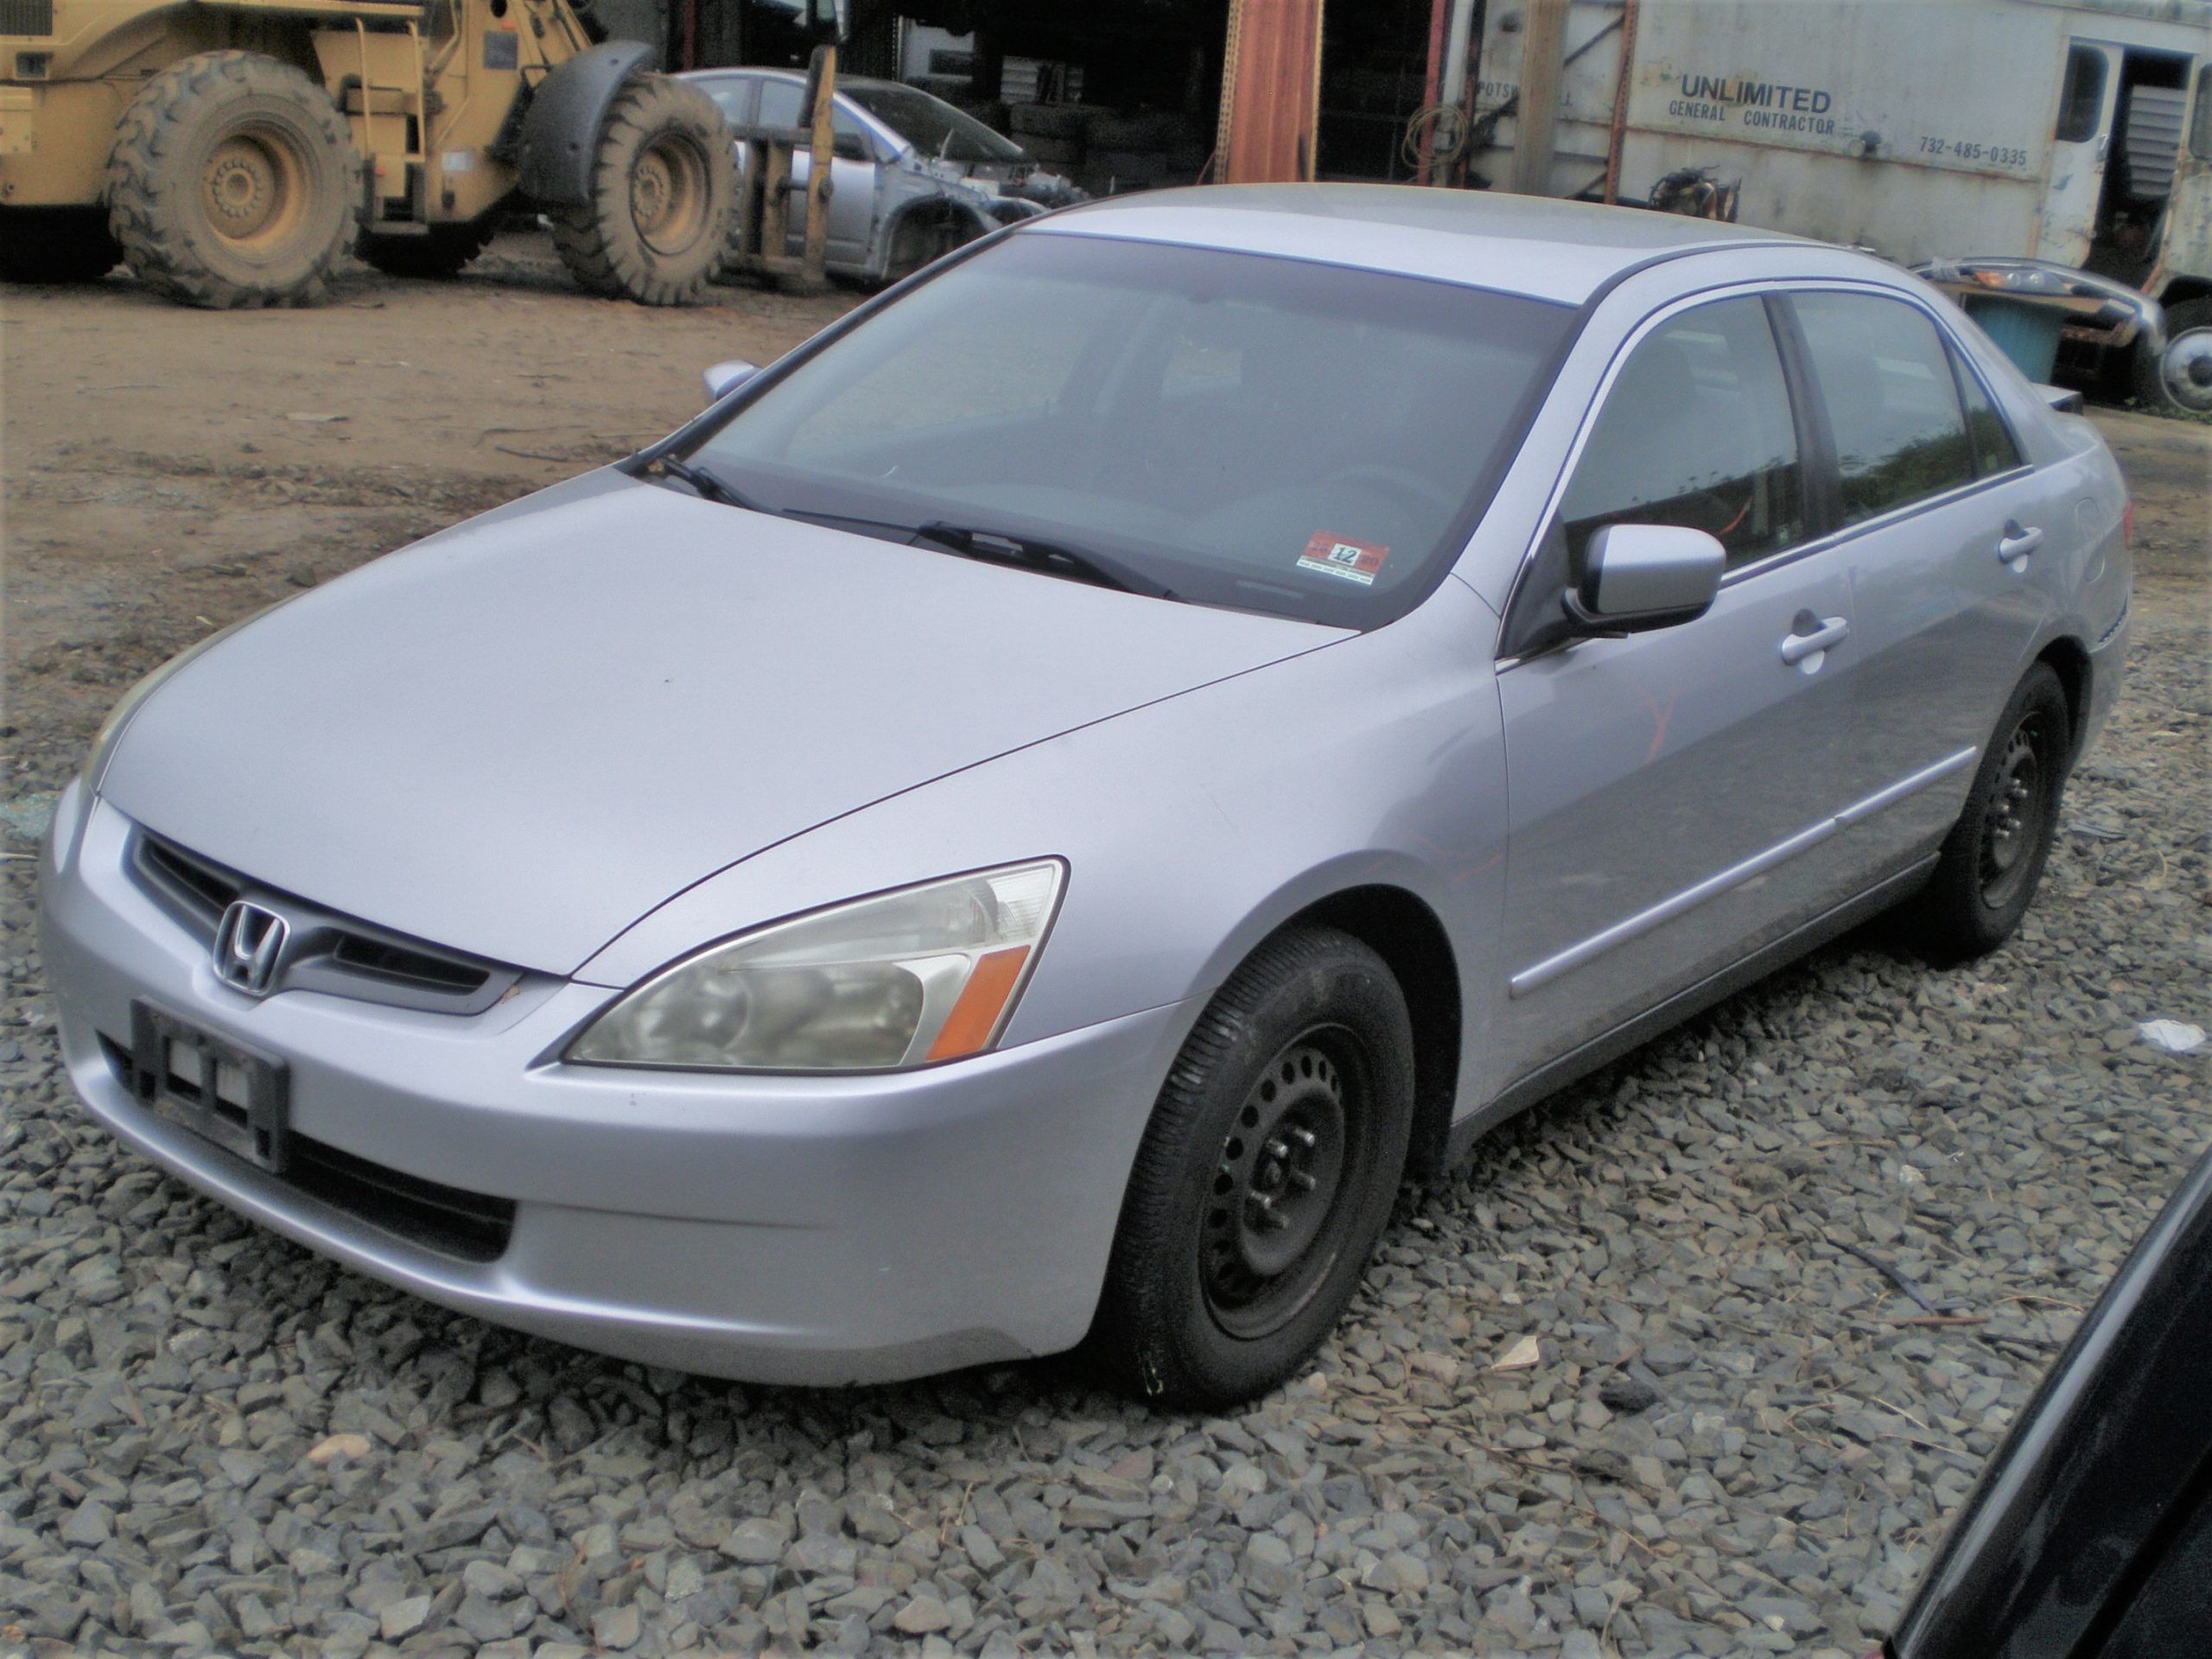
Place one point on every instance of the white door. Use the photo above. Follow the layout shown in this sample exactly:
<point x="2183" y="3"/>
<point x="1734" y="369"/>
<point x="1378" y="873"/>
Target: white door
<point x="2081" y="134"/>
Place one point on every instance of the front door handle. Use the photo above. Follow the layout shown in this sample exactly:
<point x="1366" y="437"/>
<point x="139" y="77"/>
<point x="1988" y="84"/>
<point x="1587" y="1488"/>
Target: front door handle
<point x="1809" y="639"/>
<point x="2016" y="544"/>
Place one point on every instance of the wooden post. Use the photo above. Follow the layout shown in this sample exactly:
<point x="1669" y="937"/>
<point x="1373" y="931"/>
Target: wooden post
<point x="821" y="88"/>
<point x="1543" y="46"/>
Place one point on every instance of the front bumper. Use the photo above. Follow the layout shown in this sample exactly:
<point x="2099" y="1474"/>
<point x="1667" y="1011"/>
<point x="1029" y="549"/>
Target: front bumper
<point x="778" y="1230"/>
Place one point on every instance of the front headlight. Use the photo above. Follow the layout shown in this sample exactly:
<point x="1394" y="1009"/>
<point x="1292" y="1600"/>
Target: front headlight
<point x="907" y="978"/>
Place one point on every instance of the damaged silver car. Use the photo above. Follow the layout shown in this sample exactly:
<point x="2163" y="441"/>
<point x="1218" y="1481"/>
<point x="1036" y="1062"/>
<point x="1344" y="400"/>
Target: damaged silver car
<point x="911" y="176"/>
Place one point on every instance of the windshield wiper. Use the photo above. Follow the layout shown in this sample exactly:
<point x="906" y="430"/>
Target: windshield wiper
<point x="707" y="485"/>
<point x="1053" y="559"/>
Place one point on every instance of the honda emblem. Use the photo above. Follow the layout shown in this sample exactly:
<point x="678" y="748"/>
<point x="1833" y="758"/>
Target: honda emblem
<point x="247" y="947"/>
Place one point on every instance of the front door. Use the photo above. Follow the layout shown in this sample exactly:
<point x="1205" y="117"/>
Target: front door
<point x="1672" y="794"/>
<point x="852" y="175"/>
<point x="2081" y="138"/>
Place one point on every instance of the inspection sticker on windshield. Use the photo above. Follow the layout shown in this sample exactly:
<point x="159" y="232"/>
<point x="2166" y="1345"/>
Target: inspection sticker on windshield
<point x="1339" y="555"/>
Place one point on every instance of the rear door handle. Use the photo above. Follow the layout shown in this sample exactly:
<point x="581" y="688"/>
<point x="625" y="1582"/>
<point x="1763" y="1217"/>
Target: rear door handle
<point x="1809" y="639"/>
<point x="2016" y="544"/>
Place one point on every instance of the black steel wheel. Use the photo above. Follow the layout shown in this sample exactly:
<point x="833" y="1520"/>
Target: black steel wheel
<point x="1994" y="856"/>
<point x="1265" y="1176"/>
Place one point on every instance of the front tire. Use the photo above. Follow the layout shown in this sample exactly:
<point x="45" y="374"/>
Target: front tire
<point x="56" y="244"/>
<point x="2181" y="377"/>
<point x="233" y="182"/>
<point x="1993" y="858"/>
<point x="663" y="186"/>
<point x="1265" y="1176"/>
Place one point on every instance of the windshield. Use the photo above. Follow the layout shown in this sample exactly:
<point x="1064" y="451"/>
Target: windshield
<point x="1243" y="430"/>
<point x="930" y="124"/>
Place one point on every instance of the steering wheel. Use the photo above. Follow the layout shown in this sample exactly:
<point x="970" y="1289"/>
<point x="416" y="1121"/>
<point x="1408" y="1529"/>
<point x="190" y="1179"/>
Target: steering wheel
<point x="1383" y="478"/>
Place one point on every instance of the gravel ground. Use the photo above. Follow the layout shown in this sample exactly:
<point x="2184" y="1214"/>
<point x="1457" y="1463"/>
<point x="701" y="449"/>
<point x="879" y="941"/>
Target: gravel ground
<point x="1740" y="1431"/>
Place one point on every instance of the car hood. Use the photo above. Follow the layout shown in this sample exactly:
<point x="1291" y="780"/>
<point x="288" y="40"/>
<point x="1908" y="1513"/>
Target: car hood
<point x="517" y="737"/>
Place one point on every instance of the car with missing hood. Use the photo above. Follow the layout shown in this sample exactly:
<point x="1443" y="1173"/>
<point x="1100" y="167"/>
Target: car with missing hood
<point x="1032" y="816"/>
<point x="912" y="177"/>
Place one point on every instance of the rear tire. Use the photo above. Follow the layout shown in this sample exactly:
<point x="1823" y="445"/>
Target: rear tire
<point x="1994" y="857"/>
<point x="663" y="185"/>
<point x="2181" y="377"/>
<point x="1266" y="1175"/>
<point x="56" y="244"/>
<point x="444" y="252"/>
<point x="233" y="182"/>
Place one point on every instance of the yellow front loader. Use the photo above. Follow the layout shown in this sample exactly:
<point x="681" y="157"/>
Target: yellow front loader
<point x="232" y="150"/>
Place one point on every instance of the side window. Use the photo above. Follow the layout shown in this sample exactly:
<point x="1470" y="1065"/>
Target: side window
<point x="779" y="103"/>
<point x="1885" y="379"/>
<point x="733" y="99"/>
<point x="1696" y="431"/>
<point x="783" y="104"/>
<point x="1994" y="448"/>
<point x="2080" y="96"/>
<point x="2200" y="121"/>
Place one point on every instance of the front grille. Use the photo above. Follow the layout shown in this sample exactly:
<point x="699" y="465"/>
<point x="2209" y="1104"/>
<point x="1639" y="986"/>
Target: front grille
<point x="206" y="889"/>
<point x="472" y="1226"/>
<point x="326" y="951"/>
<point x="447" y="1220"/>
<point x="26" y="16"/>
<point x="360" y="954"/>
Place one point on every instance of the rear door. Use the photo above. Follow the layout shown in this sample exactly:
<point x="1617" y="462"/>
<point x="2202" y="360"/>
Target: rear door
<point x="2081" y="141"/>
<point x="1672" y="793"/>
<point x="1949" y="538"/>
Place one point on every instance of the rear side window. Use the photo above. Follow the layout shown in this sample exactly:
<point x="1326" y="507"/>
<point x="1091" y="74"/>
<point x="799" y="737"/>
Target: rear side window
<point x="2200" y="121"/>
<point x="733" y="99"/>
<point x="2082" y="97"/>
<point x="1696" y="431"/>
<point x="1885" y="378"/>
<point x="1995" y="451"/>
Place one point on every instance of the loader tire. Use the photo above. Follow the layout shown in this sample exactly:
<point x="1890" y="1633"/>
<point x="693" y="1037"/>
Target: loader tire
<point x="664" y="184"/>
<point x="233" y="182"/>
<point x="55" y="245"/>
<point x="441" y="254"/>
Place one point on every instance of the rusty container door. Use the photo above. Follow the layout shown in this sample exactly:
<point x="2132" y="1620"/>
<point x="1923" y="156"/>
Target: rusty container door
<point x="1270" y="92"/>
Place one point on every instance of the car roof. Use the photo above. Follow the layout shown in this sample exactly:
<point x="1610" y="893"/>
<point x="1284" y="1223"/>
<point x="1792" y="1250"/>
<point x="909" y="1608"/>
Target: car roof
<point x="769" y="71"/>
<point x="1533" y="245"/>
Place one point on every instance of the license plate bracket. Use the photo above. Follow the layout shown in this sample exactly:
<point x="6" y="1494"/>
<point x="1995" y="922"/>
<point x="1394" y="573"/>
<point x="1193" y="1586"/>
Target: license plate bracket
<point x="223" y="1091"/>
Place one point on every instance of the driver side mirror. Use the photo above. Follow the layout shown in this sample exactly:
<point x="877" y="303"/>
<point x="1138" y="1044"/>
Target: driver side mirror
<point x="727" y="377"/>
<point x="1640" y="576"/>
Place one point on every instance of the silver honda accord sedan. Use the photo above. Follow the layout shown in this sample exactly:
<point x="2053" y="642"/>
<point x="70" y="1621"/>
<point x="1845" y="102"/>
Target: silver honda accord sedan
<point x="1027" y="820"/>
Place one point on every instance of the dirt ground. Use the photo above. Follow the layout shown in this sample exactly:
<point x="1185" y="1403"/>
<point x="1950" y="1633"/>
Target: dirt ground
<point x="167" y="471"/>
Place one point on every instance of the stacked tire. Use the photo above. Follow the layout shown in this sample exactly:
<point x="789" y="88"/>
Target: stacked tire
<point x="1053" y="133"/>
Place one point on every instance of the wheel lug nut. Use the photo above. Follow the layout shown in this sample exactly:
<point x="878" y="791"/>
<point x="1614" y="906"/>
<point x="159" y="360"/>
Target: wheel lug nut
<point x="1277" y="1150"/>
<point x="1304" y="1137"/>
<point x="1302" y="1180"/>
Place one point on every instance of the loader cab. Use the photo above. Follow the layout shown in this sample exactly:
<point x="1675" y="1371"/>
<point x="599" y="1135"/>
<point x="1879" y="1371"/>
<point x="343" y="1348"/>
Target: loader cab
<point x="2122" y="178"/>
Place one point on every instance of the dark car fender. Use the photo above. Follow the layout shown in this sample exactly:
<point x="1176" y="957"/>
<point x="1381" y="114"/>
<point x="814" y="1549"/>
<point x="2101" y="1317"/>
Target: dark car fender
<point x="2105" y="1469"/>
<point x="560" y="130"/>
